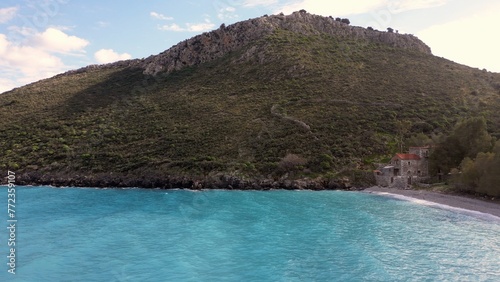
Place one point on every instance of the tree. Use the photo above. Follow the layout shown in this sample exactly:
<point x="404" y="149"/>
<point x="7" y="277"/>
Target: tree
<point x="346" y="21"/>
<point x="419" y="140"/>
<point x="467" y="178"/>
<point x="473" y="136"/>
<point x="446" y="155"/>
<point x="402" y="126"/>
<point x="481" y="175"/>
<point x="468" y="138"/>
<point x="390" y="30"/>
<point x="489" y="183"/>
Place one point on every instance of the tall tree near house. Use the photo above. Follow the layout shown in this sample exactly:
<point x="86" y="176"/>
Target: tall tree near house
<point x="481" y="174"/>
<point x="473" y="136"/>
<point x="468" y="138"/>
<point x="489" y="183"/>
<point x="447" y="155"/>
<point x="419" y="140"/>
<point x="471" y="172"/>
<point x="403" y="127"/>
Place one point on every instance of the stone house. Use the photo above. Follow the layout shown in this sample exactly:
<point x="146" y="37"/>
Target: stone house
<point x="404" y="169"/>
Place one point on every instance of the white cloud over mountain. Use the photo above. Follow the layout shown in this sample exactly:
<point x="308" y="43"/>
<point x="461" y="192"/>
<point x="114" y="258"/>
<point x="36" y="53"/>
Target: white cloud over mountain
<point x="159" y="16"/>
<point x="105" y="56"/>
<point x="35" y="57"/>
<point x="190" y="27"/>
<point x="469" y="40"/>
<point x="345" y="8"/>
<point x="54" y="40"/>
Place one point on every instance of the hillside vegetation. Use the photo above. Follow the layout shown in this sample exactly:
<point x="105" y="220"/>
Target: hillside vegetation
<point x="335" y="103"/>
<point x="471" y="157"/>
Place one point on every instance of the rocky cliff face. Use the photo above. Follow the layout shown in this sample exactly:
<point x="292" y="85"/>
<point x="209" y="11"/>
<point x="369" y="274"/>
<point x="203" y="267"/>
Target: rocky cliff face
<point x="215" y="44"/>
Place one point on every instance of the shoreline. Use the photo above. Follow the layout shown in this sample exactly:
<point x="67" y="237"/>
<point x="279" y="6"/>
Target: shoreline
<point x="217" y="181"/>
<point x="456" y="201"/>
<point x="230" y="182"/>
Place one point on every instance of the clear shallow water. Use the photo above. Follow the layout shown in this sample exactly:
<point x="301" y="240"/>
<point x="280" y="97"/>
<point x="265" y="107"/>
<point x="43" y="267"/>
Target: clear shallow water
<point x="76" y="234"/>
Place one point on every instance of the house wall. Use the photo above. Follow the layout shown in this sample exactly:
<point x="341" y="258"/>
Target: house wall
<point x="408" y="167"/>
<point x="424" y="167"/>
<point x="383" y="177"/>
<point x="382" y="180"/>
<point x="423" y="164"/>
<point x="400" y="182"/>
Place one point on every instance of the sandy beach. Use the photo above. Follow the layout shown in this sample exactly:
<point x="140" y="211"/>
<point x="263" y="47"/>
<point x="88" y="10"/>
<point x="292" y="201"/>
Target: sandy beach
<point x="463" y="202"/>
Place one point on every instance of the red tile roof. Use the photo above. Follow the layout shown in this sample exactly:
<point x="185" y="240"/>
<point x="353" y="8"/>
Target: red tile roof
<point x="407" y="157"/>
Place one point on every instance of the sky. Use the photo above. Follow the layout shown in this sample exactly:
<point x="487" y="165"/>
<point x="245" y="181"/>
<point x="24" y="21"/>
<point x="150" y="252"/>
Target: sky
<point x="41" y="38"/>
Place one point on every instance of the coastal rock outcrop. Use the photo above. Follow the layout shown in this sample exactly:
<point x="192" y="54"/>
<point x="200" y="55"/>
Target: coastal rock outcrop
<point x="219" y="181"/>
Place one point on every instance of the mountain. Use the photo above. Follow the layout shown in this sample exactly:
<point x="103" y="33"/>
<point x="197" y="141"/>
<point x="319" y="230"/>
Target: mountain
<point x="267" y="102"/>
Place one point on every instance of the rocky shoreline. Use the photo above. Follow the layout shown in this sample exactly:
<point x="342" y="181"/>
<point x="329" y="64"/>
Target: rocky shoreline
<point x="221" y="181"/>
<point x="229" y="182"/>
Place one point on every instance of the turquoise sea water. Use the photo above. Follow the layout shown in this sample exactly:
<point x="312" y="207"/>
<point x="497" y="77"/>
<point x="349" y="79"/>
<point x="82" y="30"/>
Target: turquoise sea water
<point x="84" y="234"/>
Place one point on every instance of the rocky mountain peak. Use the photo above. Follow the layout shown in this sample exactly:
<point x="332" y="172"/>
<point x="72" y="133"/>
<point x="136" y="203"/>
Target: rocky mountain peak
<point x="215" y="44"/>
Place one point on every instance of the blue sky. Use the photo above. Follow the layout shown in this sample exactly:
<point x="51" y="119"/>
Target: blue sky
<point x="41" y="38"/>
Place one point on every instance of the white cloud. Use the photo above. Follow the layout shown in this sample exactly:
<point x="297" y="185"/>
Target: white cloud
<point x="54" y="40"/>
<point x="4" y="43"/>
<point x="346" y="8"/>
<point x="254" y="3"/>
<point x="470" y="40"/>
<point x="35" y="58"/>
<point x="30" y="60"/>
<point x="171" y="27"/>
<point x="333" y="7"/>
<point x="191" y="27"/>
<point x="105" y="56"/>
<point x="6" y="14"/>
<point x="199" y="27"/>
<point x="227" y="13"/>
<point x="102" y="24"/>
<point x="160" y="16"/>
<point x="409" y="5"/>
<point x="6" y="85"/>
<point x="22" y="32"/>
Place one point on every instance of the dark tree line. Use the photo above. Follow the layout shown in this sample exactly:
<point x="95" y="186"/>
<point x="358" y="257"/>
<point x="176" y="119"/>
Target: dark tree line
<point x="472" y="157"/>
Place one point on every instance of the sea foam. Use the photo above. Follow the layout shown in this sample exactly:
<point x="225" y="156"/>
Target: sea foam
<point x="477" y="214"/>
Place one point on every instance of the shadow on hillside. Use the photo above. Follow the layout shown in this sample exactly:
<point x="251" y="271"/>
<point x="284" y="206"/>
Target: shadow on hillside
<point x="118" y="86"/>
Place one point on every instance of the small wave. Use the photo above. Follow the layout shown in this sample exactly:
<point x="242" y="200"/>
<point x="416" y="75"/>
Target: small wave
<point x="477" y="214"/>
